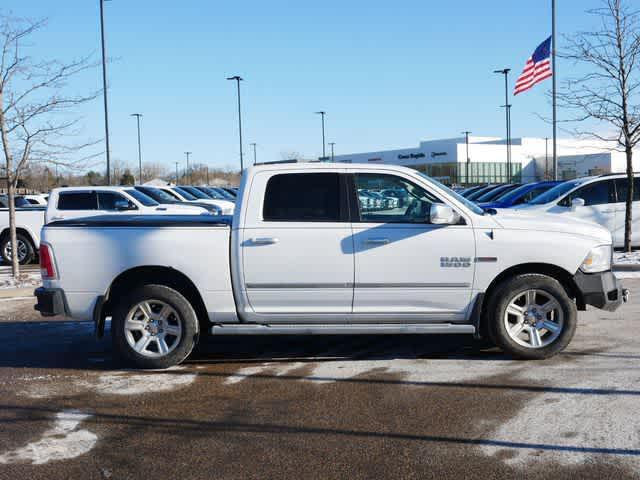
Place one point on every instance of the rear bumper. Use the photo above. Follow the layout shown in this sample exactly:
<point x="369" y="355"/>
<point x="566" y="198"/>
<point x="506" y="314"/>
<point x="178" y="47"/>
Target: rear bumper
<point x="601" y="290"/>
<point x="51" y="302"/>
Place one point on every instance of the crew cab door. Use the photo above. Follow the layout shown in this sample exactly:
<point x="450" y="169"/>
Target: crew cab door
<point x="296" y="245"/>
<point x="404" y="264"/>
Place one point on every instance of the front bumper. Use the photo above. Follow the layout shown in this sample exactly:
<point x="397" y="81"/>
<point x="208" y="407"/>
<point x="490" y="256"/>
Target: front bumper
<point x="51" y="302"/>
<point x="601" y="290"/>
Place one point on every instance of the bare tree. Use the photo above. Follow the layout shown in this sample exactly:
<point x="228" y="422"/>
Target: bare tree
<point x="609" y="93"/>
<point x="35" y="114"/>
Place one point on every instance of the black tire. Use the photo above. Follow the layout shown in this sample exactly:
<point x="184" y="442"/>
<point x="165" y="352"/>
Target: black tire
<point x="509" y="289"/>
<point x="23" y="242"/>
<point x="188" y="321"/>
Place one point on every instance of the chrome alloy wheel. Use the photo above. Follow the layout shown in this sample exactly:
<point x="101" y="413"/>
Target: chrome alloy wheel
<point x="153" y="328"/>
<point x="534" y="319"/>
<point x="22" y="251"/>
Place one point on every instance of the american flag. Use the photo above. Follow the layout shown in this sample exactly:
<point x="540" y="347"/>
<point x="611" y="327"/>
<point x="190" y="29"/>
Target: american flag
<point x="537" y="69"/>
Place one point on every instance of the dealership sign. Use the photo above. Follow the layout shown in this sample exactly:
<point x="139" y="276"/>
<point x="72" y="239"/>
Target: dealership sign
<point x="411" y="155"/>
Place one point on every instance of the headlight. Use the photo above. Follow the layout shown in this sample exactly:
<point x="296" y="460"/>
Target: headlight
<point x="598" y="260"/>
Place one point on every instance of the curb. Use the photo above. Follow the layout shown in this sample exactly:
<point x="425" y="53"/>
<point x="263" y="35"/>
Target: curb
<point x="17" y="292"/>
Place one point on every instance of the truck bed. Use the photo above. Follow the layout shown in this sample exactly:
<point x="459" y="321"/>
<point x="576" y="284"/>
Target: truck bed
<point x="111" y="245"/>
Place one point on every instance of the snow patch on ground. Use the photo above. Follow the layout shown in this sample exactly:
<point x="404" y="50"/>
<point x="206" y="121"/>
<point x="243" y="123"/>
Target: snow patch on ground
<point x="593" y="414"/>
<point x="29" y="278"/>
<point x="61" y="442"/>
<point x="126" y="383"/>
<point x="626" y="258"/>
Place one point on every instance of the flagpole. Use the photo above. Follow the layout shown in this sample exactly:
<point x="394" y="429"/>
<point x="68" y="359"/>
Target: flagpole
<point x="554" y="74"/>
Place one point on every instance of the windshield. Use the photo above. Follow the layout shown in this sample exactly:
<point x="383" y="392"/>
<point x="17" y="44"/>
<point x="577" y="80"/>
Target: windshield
<point x="145" y="200"/>
<point x="224" y="193"/>
<point x="158" y="195"/>
<point x="196" y="193"/>
<point x="184" y="193"/>
<point x="212" y="193"/>
<point x="513" y="194"/>
<point x="470" y="205"/>
<point x="495" y="193"/>
<point x="555" y="192"/>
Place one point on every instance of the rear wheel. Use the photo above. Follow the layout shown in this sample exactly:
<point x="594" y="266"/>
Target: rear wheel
<point x="26" y="252"/>
<point x="531" y="316"/>
<point x="154" y="327"/>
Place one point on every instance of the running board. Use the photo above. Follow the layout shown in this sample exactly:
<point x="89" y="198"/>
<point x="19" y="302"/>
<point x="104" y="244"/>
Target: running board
<point x="346" y="329"/>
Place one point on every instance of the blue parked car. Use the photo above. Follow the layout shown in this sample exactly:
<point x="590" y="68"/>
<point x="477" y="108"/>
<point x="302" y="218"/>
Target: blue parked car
<point x="520" y="195"/>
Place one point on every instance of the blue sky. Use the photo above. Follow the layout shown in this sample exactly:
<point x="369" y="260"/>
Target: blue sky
<point x="389" y="74"/>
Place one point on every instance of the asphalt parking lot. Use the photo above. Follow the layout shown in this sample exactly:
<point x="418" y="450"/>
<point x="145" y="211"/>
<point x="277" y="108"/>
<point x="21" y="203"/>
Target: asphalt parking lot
<point x="319" y="407"/>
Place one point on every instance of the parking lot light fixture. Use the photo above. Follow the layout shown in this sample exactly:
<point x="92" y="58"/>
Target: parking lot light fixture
<point x="187" y="154"/>
<point x="238" y="79"/>
<point x="138" y="116"/>
<point x="322" y="113"/>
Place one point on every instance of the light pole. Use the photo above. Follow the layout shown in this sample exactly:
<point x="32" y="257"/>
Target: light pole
<point x="466" y="137"/>
<point x="505" y="72"/>
<point x="104" y="92"/>
<point x="332" y="144"/>
<point x="188" y="171"/>
<point x="546" y="158"/>
<point x="207" y="170"/>
<point x="138" y="116"/>
<point x="177" y="173"/>
<point x="254" y="153"/>
<point x="322" y="114"/>
<point x="238" y="79"/>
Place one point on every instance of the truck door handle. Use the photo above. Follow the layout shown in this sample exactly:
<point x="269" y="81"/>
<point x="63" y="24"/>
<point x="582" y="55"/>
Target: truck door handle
<point x="55" y="219"/>
<point x="376" y="241"/>
<point x="608" y="211"/>
<point x="264" y="241"/>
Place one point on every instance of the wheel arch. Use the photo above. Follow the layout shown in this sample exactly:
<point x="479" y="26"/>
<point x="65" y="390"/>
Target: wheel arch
<point x="558" y="273"/>
<point x="22" y="230"/>
<point x="156" y="275"/>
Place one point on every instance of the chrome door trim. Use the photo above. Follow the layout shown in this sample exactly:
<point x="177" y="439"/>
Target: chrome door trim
<point x="356" y="285"/>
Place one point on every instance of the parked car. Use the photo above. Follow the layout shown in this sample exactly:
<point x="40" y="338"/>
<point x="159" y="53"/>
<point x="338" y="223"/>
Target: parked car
<point x="216" y="194"/>
<point x="598" y="199"/>
<point x="468" y="191"/>
<point x="299" y="260"/>
<point x="39" y="200"/>
<point x="496" y="192"/>
<point x="182" y="194"/>
<point x="231" y="190"/>
<point x="164" y="198"/>
<point x="521" y="195"/>
<point x="75" y="202"/>
<point x="29" y="222"/>
<point x="478" y="193"/>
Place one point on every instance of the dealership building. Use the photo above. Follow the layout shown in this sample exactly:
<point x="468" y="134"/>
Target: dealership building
<point x="531" y="159"/>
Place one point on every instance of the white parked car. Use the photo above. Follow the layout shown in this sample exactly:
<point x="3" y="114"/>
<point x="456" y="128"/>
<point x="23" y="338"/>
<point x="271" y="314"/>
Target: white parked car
<point x="226" y="207"/>
<point x="39" y="200"/>
<point x="75" y="202"/>
<point x="598" y="199"/>
<point x="29" y="222"/>
<point x="300" y="256"/>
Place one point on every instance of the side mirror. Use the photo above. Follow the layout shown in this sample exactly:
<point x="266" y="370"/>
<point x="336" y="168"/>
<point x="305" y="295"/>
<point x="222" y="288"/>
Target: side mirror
<point x="577" y="202"/>
<point x="443" y="215"/>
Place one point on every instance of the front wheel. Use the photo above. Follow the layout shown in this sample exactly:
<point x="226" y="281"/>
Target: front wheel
<point x="154" y="327"/>
<point x="531" y="316"/>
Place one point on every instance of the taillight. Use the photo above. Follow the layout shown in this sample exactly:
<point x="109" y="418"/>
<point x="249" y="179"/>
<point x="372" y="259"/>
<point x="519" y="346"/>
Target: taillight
<point x="47" y="265"/>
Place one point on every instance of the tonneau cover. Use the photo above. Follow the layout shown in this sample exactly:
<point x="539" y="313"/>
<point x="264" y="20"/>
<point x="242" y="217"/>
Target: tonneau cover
<point x="132" y="221"/>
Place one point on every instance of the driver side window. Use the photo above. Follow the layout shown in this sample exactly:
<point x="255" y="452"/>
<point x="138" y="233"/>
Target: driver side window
<point x="390" y="199"/>
<point x="596" y="193"/>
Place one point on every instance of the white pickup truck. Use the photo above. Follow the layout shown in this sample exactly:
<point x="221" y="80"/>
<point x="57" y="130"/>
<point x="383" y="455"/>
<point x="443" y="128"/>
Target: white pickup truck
<point x="301" y="256"/>
<point x="29" y="222"/>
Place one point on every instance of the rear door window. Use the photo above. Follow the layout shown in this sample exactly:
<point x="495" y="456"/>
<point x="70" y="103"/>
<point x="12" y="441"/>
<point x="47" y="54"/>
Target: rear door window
<point x="303" y="197"/>
<point x="77" y="201"/>
<point x="621" y="189"/>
